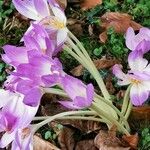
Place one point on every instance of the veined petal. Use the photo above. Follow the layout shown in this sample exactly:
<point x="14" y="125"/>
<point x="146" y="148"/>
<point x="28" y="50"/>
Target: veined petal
<point x="26" y="8"/>
<point x="33" y="97"/>
<point x="69" y="105"/>
<point x="42" y="8"/>
<point x="81" y="102"/>
<point x="16" y="55"/>
<point x="90" y="94"/>
<point x="137" y="63"/>
<point x="143" y="46"/>
<point x="6" y="139"/>
<point x="129" y="38"/>
<point x="145" y="31"/>
<point x="138" y="94"/>
<point x="62" y="36"/>
<point x="59" y="14"/>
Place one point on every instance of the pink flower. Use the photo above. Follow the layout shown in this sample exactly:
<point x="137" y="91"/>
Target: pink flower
<point x="80" y="94"/>
<point x="138" y="42"/>
<point x="46" y="13"/>
<point x="14" y="115"/>
<point x="138" y="77"/>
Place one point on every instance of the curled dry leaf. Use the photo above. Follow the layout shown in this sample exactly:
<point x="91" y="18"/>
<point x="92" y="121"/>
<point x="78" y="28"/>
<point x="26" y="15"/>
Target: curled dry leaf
<point x="40" y="144"/>
<point x="87" y="4"/>
<point x="107" y="140"/>
<point x="109" y="84"/>
<point x="62" y="3"/>
<point x="75" y="26"/>
<point x="86" y="126"/>
<point x="86" y="145"/>
<point x="66" y="139"/>
<point x="99" y="63"/>
<point x="119" y="21"/>
<point x="132" y="140"/>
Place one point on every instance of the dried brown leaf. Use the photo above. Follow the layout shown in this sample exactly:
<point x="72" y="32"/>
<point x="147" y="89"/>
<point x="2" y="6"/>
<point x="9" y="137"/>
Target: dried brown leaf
<point x="40" y="144"/>
<point x="99" y="63"/>
<point x="141" y="113"/>
<point x="66" y="139"/>
<point x="83" y="125"/>
<point x="119" y="21"/>
<point x="62" y="3"/>
<point x="132" y="140"/>
<point x="86" y="145"/>
<point x="87" y="4"/>
<point x="108" y="141"/>
<point x="109" y="84"/>
<point x="75" y="26"/>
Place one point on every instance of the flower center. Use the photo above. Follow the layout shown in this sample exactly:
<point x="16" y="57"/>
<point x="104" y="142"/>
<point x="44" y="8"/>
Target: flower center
<point x="135" y="81"/>
<point x="54" y="22"/>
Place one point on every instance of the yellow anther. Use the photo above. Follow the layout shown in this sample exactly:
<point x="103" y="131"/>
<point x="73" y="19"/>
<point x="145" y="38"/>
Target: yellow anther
<point x="135" y="81"/>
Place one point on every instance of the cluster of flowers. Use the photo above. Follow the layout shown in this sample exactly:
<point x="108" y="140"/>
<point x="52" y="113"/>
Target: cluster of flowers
<point x="139" y="74"/>
<point x="36" y="67"/>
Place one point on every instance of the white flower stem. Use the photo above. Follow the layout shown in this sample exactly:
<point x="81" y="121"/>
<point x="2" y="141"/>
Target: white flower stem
<point x="122" y="118"/>
<point x="110" y="118"/>
<point x="125" y="101"/>
<point x="97" y="98"/>
<point x="60" y="115"/>
<point x="71" y="118"/>
<point x="129" y="109"/>
<point x="89" y="65"/>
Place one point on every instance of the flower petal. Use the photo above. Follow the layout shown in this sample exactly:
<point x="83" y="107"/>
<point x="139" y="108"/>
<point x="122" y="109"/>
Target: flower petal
<point x="26" y="8"/>
<point x="33" y="97"/>
<point x="62" y="36"/>
<point x="7" y="139"/>
<point x="42" y="8"/>
<point x="129" y="38"/>
<point x="15" y="55"/>
<point x="138" y="94"/>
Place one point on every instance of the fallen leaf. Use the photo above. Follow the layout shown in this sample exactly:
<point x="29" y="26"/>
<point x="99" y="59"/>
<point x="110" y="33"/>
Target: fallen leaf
<point x="99" y="63"/>
<point x="40" y="144"/>
<point x="85" y="145"/>
<point x="109" y="84"/>
<point x="132" y="140"/>
<point x="62" y="3"/>
<point x="85" y="126"/>
<point x="119" y="21"/>
<point x="87" y="4"/>
<point x="66" y="139"/>
<point x="107" y="140"/>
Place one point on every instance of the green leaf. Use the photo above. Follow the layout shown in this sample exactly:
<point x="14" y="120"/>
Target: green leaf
<point x="98" y="51"/>
<point x="48" y="135"/>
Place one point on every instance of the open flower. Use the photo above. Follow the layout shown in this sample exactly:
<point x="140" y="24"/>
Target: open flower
<point x="138" y="42"/>
<point x="14" y="115"/>
<point x="38" y="39"/>
<point x="80" y="94"/>
<point x="138" y="77"/>
<point x="47" y="13"/>
<point x="38" y="66"/>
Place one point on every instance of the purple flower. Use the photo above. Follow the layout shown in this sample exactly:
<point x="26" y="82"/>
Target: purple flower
<point x="23" y="139"/>
<point x="38" y="39"/>
<point x="14" y="115"/>
<point x="80" y="94"/>
<point x="46" y="13"/>
<point x="39" y="66"/>
<point x="15" y="55"/>
<point x="139" y="42"/>
<point x="138" y="77"/>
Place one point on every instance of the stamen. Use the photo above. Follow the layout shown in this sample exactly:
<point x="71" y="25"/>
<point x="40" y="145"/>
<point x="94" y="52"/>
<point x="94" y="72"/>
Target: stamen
<point x="55" y="23"/>
<point x="135" y="81"/>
